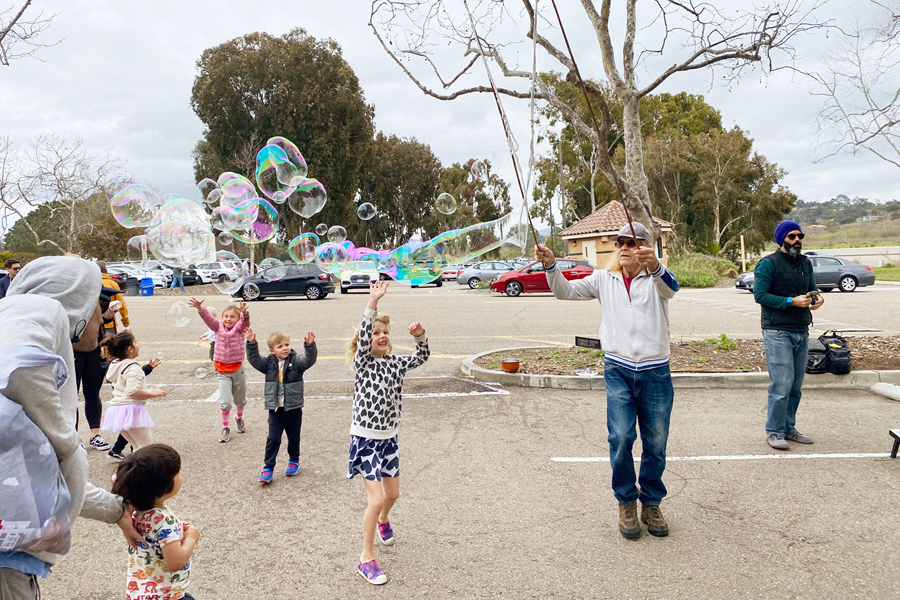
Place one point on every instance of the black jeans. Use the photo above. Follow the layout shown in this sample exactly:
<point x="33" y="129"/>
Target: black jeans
<point x="89" y="371"/>
<point x="282" y="421"/>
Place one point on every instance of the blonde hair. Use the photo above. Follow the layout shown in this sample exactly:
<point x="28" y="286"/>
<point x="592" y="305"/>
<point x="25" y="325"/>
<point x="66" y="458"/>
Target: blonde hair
<point x="276" y="338"/>
<point x="232" y="307"/>
<point x="613" y="265"/>
<point x="351" y="347"/>
<point x="213" y="312"/>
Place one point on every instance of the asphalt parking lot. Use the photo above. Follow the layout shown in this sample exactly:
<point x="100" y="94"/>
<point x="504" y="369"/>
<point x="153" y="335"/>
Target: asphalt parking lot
<point x="504" y="491"/>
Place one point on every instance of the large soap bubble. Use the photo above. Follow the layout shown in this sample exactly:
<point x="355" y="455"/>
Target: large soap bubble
<point x="272" y="269"/>
<point x="206" y="187"/>
<point x="337" y="234"/>
<point x="179" y="315"/>
<point x="135" y="206"/>
<point x="226" y="255"/>
<point x="332" y="257"/>
<point x="366" y="211"/>
<point x="445" y="204"/>
<point x="275" y="173"/>
<point x="263" y="227"/>
<point x="480" y="170"/>
<point x="116" y="182"/>
<point x="308" y="198"/>
<point x="321" y="229"/>
<point x="235" y="189"/>
<point x="293" y="155"/>
<point x="303" y="247"/>
<point x="180" y="234"/>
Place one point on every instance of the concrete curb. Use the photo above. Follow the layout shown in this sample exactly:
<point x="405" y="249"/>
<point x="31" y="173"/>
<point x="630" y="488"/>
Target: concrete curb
<point x="854" y="380"/>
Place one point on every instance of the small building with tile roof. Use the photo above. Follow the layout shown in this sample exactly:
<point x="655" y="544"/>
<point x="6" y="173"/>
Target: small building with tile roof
<point x="594" y="237"/>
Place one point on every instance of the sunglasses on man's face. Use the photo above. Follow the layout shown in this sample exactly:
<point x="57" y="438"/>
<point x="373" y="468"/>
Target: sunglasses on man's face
<point x="792" y="236"/>
<point x="626" y="243"/>
<point x="16" y="269"/>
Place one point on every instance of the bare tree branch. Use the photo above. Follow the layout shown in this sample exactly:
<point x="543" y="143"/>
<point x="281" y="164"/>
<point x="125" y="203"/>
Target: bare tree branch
<point x="17" y="31"/>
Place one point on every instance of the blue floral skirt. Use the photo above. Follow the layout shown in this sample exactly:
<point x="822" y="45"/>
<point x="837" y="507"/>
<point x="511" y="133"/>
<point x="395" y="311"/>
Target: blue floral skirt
<point x="374" y="459"/>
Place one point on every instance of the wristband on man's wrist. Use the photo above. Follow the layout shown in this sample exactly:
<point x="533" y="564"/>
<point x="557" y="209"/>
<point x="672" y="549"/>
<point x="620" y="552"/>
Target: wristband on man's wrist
<point x="790" y="301"/>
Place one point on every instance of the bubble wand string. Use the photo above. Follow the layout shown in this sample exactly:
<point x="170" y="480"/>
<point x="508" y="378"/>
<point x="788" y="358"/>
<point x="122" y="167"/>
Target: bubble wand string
<point x="590" y="106"/>
<point x="503" y="119"/>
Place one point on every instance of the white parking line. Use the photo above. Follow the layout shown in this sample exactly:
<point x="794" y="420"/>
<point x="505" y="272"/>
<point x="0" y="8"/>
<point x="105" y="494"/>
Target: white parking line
<point x="605" y="459"/>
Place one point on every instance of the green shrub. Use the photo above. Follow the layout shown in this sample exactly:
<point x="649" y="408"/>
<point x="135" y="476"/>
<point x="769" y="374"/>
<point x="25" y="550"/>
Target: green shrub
<point x="699" y="270"/>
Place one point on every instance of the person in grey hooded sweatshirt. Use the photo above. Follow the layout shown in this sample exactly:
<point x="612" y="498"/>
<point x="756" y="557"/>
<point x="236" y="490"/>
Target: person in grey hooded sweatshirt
<point x="53" y="305"/>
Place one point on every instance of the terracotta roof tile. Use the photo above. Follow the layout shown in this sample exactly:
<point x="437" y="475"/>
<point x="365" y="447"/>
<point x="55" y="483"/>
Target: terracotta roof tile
<point x="607" y="219"/>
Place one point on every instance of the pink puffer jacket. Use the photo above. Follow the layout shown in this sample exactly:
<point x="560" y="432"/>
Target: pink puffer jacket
<point x="229" y="342"/>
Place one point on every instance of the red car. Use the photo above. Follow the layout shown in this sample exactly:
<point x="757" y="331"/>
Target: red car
<point x="531" y="277"/>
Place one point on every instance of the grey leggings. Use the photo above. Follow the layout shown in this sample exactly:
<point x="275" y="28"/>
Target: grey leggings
<point x="232" y="387"/>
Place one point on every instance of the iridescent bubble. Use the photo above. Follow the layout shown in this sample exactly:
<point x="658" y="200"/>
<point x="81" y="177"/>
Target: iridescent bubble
<point x="235" y="188"/>
<point x="480" y="170"/>
<point x="137" y="251"/>
<point x="293" y="155"/>
<point x="308" y="198"/>
<point x="135" y="206"/>
<point x="272" y="269"/>
<point x="225" y="238"/>
<point x="445" y="204"/>
<point x="116" y="182"/>
<point x="179" y="315"/>
<point x="226" y="255"/>
<point x="366" y="211"/>
<point x="337" y="234"/>
<point x="201" y="373"/>
<point x="180" y="234"/>
<point x="321" y="229"/>
<point x="263" y="227"/>
<point x="303" y="247"/>
<point x="228" y="287"/>
<point x="214" y="196"/>
<point x="206" y="187"/>
<point x="332" y="257"/>
<point x="275" y="173"/>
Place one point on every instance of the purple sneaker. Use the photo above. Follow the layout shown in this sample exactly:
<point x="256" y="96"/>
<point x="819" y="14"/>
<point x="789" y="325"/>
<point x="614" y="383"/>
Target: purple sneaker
<point x="292" y="468"/>
<point x="372" y="573"/>
<point x="385" y="533"/>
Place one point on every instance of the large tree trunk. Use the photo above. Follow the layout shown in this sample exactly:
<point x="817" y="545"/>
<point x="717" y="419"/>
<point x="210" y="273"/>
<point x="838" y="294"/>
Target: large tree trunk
<point x="638" y="194"/>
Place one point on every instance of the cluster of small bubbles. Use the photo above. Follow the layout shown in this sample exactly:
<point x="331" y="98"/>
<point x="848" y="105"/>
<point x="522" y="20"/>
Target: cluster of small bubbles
<point x="179" y="315"/>
<point x="366" y="211"/>
<point x="201" y="373"/>
<point x="308" y="198"/>
<point x="445" y="204"/>
<point x="332" y="257"/>
<point x="225" y="238"/>
<point x="337" y="234"/>
<point x="303" y="247"/>
<point x="321" y="229"/>
<point x="135" y="206"/>
<point x="480" y="170"/>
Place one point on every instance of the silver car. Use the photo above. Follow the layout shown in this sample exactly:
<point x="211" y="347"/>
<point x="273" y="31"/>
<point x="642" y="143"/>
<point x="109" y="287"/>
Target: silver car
<point x="832" y="273"/>
<point x="483" y="271"/>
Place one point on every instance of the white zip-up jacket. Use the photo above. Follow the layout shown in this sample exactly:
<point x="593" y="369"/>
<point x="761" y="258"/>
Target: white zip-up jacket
<point x="634" y="331"/>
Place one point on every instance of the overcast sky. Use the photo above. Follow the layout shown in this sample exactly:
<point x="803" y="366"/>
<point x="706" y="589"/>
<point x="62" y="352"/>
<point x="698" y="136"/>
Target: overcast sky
<point x="121" y="76"/>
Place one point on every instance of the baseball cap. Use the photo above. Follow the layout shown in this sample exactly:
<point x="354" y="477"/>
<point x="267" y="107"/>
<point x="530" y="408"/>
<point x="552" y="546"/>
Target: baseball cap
<point x="640" y="232"/>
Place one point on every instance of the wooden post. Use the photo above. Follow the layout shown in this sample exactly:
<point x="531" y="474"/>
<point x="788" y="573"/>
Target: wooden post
<point x="743" y="256"/>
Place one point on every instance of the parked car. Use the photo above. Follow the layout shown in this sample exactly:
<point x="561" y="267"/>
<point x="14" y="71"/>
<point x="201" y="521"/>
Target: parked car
<point x="286" y="280"/>
<point x="483" y="271"/>
<point x="189" y="277"/>
<point x="532" y="278"/>
<point x="358" y="274"/>
<point x="832" y="273"/>
<point x="159" y="280"/>
<point x="451" y="272"/>
<point x="218" y="271"/>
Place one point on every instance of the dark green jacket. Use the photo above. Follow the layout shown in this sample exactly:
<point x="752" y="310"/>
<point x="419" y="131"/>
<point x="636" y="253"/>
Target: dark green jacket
<point x="780" y="276"/>
<point x="292" y="377"/>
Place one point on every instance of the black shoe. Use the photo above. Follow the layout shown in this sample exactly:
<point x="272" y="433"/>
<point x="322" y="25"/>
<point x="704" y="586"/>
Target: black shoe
<point x="116" y="456"/>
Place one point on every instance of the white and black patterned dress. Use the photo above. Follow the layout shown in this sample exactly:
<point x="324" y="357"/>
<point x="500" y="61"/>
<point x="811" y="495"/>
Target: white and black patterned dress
<point x="377" y="400"/>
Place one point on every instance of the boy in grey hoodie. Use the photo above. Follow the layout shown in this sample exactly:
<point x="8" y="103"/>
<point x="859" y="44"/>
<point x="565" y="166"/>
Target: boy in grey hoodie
<point x="53" y="304"/>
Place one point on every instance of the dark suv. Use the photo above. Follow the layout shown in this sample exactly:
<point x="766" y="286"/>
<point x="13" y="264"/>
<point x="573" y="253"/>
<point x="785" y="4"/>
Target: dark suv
<point x="286" y="280"/>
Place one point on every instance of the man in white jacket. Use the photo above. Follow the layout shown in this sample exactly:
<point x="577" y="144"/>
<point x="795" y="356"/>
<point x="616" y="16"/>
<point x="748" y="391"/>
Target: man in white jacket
<point x="53" y="305"/>
<point x="634" y="291"/>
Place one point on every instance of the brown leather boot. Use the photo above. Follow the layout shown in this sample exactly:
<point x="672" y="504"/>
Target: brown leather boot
<point x="652" y="517"/>
<point x="628" y="521"/>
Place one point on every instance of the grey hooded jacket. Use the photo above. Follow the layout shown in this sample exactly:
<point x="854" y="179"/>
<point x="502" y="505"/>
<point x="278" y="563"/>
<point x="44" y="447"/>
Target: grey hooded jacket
<point x="50" y="300"/>
<point x="292" y="378"/>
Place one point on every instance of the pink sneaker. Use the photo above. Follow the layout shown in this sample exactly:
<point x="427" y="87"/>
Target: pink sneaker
<point x="385" y="533"/>
<point x="372" y="573"/>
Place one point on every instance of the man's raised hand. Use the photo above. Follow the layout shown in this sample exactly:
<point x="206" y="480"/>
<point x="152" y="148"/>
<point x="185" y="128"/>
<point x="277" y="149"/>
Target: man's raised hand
<point x="544" y="255"/>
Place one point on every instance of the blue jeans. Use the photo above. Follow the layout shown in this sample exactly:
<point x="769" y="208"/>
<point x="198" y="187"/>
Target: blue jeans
<point x="177" y="280"/>
<point x="786" y="353"/>
<point x="642" y="398"/>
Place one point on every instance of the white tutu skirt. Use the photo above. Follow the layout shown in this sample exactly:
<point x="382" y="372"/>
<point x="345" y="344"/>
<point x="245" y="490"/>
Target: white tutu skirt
<point x="120" y="417"/>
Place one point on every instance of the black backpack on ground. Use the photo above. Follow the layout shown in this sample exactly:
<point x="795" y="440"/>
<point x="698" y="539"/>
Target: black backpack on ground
<point x="815" y="364"/>
<point x="837" y="353"/>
